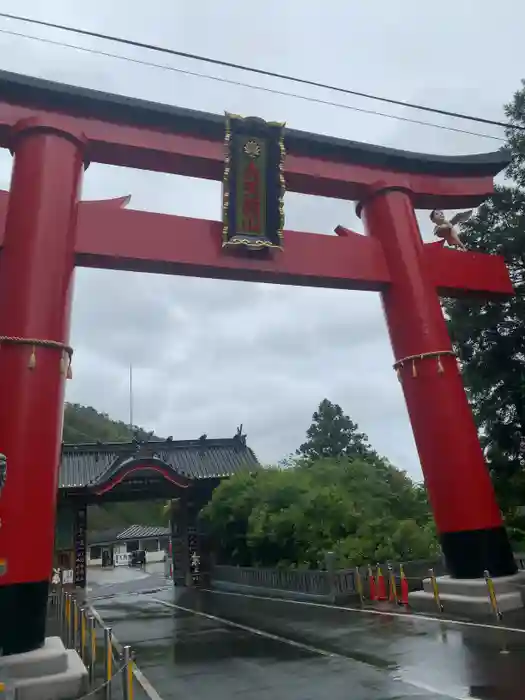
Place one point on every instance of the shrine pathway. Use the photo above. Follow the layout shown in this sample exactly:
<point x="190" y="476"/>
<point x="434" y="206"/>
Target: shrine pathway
<point x="224" y="646"/>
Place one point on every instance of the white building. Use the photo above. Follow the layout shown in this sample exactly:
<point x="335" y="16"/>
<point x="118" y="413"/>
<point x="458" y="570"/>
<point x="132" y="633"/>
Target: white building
<point x="115" y="546"/>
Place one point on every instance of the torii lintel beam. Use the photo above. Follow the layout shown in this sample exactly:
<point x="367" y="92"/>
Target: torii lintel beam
<point x="115" y="238"/>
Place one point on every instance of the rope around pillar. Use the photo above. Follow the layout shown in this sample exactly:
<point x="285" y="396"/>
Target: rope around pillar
<point x="398" y="366"/>
<point x="66" y="350"/>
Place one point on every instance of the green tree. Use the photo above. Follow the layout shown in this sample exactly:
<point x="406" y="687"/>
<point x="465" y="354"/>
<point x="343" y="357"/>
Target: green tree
<point x="334" y="434"/>
<point x="85" y="424"/>
<point x="489" y="337"/>
<point x="292" y="517"/>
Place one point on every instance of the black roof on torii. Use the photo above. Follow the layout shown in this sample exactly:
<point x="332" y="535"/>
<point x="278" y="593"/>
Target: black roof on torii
<point x="25" y="90"/>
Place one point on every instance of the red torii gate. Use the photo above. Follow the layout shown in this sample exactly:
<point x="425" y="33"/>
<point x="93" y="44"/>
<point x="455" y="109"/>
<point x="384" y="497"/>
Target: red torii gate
<point x="54" y="130"/>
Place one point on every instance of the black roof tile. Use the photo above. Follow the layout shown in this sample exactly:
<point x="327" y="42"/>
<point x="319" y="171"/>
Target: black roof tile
<point x="131" y="532"/>
<point x="30" y="91"/>
<point x="84" y="464"/>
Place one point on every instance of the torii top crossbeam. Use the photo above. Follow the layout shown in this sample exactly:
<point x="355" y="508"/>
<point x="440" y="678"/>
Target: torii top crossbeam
<point x="54" y="130"/>
<point x="146" y="135"/>
<point x="186" y="142"/>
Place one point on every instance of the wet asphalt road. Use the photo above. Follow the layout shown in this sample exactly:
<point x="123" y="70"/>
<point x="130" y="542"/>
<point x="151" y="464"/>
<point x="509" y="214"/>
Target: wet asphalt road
<point x="219" y="646"/>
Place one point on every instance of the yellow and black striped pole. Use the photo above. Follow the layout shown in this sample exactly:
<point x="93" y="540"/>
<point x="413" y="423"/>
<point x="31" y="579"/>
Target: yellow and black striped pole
<point x="359" y="585"/>
<point x="392" y="597"/>
<point x="492" y="595"/>
<point x="68" y="621"/>
<point x="92" y="633"/>
<point x="75" y="625"/>
<point x="108" y="660"/>
<point x="435" y="590"/>
<point x="82" y="612"/>
<point x="128" y="673"/>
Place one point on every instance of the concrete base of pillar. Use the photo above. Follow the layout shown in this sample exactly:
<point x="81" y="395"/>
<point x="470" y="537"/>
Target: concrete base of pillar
<point x="50" y="673"/>
<point x="470" y="596"/>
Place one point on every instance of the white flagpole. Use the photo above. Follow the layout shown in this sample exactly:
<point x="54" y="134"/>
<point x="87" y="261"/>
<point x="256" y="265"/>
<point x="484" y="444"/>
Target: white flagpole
<point x="131" y="396"/>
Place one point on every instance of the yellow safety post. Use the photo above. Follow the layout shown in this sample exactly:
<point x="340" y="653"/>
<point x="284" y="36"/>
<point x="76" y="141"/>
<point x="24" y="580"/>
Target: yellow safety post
<point x="128" y="674"/>
<point x="75" y="624"/>
<point x="359" y="585"/>
<point x="435" y="589"/>
<point x="68" y="620"/>
<point x="492" y="595"/>
<point x="83" y="634"/>
<point x="108" y="660"/>
<point x="392" y="596"/>
<point x="92" y="647"/>
<point x="60" y="611"/>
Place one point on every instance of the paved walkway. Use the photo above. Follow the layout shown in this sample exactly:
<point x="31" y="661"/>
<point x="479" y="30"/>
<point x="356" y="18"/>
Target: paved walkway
<point x="215" y="645"/>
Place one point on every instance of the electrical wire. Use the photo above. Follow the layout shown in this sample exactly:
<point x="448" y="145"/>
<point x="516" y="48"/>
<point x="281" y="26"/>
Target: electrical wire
<point x="259" y="71"/>
<point x="238" y="83"/>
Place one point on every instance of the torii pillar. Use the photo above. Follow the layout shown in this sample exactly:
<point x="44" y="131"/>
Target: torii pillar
<point x="36" y="280"/>
<point x="467" y="516"/>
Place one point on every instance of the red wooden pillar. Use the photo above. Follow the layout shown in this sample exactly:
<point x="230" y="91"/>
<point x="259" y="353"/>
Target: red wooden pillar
<point x="467" y="515"/>
<point x="36" y="277"/>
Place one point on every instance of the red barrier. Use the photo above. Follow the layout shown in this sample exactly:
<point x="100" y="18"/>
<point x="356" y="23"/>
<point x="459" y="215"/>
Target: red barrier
<point x="404" y="586"/>
<point x="381" y="588"/>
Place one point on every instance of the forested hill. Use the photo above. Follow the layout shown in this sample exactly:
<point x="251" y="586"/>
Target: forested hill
<point x="85" y="424"/>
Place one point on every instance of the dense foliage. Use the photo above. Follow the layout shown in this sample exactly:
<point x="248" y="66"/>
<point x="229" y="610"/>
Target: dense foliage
<point x="340" y="497"/>
<point x="490" y="336"/>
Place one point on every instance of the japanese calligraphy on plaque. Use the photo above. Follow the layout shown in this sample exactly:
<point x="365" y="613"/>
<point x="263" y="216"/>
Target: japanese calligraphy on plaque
<point x="80" y="547"/>
<point x="194" y="556"/>
<point x="253" y="187"/>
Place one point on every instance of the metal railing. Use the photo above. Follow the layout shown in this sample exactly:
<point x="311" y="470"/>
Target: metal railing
<point x="314" y="582"/>
<point x="110" y="672"/>
<point x="337" y="584"/>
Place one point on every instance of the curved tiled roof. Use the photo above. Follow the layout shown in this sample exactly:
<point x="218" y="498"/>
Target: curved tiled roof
<point x="141" y="532"/>
<point x="26" y="90"/>
<point x="84" y="464"/>
<point x="132" y="532"/>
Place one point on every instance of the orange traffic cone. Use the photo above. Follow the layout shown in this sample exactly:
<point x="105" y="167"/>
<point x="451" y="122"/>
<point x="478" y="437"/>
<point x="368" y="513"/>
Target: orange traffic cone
<point x="392" y="586"/>
<point x="381" y="589"/>
<point x="404" y="586"/>
<point x="371" y="584"/>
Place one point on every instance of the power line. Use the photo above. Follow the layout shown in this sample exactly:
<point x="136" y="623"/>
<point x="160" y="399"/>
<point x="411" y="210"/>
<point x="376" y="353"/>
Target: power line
<point x="259" y="71"/>
<point x="248" y="85"/>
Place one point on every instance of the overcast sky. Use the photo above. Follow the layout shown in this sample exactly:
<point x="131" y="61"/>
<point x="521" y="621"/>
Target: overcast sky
<point x="292" y="346"/>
